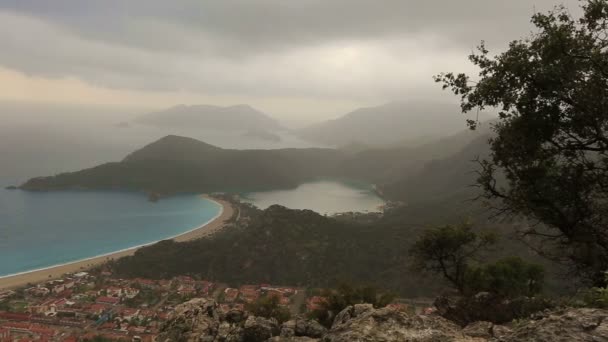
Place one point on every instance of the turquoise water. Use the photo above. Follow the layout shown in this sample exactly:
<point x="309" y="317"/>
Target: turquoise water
<point x="324" y="196"/>
<point x="39" y="230"/>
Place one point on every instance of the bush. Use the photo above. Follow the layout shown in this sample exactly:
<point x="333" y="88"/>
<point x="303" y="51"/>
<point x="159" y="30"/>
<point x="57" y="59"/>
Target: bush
<point x="489" y="307"/>
<point x="507" y="278"/>
<point x="346" y="295"/>
<point x="597" y="297"/>
<point x="268" y="307"/>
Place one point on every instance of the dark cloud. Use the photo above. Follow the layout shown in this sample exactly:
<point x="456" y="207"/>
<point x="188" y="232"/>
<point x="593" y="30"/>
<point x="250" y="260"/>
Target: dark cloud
<point x="306" y="47"/>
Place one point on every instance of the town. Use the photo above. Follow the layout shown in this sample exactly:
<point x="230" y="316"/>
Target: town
<point x="94" y="305"/>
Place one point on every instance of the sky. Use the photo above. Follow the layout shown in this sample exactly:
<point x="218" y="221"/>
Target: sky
<point x="294" y="59"/>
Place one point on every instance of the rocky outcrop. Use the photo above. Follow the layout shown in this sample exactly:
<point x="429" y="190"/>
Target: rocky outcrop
<point x="200" y="320"/>
<point x="364" y="323"/>
<point x="564" y="326"/>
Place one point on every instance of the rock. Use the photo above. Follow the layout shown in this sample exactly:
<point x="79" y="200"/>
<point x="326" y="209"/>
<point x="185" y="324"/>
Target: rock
<point x="191" y="321"/>
<point x="235" y="316"/>
<point x="292" y="339"/>
<point x="309" y="328"/>
<point x="479" y="329"/>
<point x="581" y="324"/>
<point x="486" y="330"/>
<point x="259" y="329"/>
<point x="229" y="333"/>
<point x="199" y="320"/>
<point x="500" y="331"/>
<point x="388" y="324"/>
<point x="288" y="329"/>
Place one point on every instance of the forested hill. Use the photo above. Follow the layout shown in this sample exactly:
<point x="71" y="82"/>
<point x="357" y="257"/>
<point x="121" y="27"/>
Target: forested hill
<point x="284" y="246"/>
<point x="300" y="247"/>
<point x="178" y="164"/>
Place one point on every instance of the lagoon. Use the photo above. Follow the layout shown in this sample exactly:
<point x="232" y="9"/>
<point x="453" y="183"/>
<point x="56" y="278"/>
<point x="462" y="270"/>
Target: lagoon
<point x="323" y="196"/>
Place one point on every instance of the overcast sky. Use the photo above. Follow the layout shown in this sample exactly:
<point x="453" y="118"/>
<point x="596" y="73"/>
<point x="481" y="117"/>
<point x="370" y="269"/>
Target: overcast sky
<point x="290" y="58"/>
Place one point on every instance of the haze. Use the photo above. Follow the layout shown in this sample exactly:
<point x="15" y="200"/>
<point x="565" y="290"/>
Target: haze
<point x="299" y="61"/>
<point x="85" y="83"/>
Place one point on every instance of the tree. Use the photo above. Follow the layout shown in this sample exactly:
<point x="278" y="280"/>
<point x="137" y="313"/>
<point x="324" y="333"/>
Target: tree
<point x="507" y="278"/>
<point x="549" y="159"/>
<point x="449" y="250"/>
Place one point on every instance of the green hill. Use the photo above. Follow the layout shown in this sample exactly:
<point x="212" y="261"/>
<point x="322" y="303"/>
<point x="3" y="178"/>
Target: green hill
<point x="177" y="164"/>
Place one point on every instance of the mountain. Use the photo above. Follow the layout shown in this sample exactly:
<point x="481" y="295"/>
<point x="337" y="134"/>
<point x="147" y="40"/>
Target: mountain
<point x="239" y="117"/>
<point x="393" y="123"/>
<point x="177" y="164"/>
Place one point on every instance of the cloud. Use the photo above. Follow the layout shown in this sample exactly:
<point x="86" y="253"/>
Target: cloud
<point x="339" y="50"/>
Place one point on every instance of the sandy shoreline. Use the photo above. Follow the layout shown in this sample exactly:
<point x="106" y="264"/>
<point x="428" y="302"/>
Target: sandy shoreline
<point x="77" y="266"/>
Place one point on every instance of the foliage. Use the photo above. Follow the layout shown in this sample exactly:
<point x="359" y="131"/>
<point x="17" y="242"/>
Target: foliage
<point x="269" y="307"/>
<point x="549" y="158"/>
<point x="492" y="308"/>
<point x="448" y="251"/>
<point x="507" y="278"/>
<point x="346" y="295"/>
<point x="597" y="296"/>
<point x="291" y="247"/>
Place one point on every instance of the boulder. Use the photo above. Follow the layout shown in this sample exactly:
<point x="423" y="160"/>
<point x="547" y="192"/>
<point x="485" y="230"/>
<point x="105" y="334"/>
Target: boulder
<point x="486" y="330"/>
<point x="191" y="321"/>
<point x="309" y="328"/>
<point x="288" y="329"/>
<point x="259" y="329"/>
<point x="235" y="316"/>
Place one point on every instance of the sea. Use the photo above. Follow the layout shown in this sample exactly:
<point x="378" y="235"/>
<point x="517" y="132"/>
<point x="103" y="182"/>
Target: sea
<point x="43" y="229"/>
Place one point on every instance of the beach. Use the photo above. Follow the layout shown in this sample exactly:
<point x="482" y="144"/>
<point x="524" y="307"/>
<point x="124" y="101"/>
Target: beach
<point x="53" y="272"/>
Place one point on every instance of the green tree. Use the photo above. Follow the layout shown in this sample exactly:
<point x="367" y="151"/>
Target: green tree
<point x="269" y="307"/>
<point x="449" y="251"/>
<point x="508" y="278"/>
<point x="549" y="159"/>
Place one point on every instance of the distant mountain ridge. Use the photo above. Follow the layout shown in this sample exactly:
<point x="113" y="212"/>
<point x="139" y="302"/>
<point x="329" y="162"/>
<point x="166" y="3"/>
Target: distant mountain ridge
<point x="238" y="117"/>
<point x="389" y="124"/>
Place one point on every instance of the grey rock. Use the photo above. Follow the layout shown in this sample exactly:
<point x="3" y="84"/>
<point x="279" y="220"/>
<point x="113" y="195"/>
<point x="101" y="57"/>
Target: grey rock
<point x="235" y="316"/>
<point x="581" y="324"/>
<point x="479" y="329"/>
<point x="191" y="321"/>
<point x="292" y="339"/>
<point x="288" y="329"/>
<point x="391" y="325"/>
<point x="309" y="328"/>
<point x="259" y="329"/>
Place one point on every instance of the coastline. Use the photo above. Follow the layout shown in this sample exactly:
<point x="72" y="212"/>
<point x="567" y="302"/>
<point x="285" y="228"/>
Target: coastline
<point x="53" y="272"/>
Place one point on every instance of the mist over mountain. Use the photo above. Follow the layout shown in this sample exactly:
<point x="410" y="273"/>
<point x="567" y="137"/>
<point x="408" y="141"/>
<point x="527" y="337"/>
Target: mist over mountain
<point x="392" y="123"/>
<point x="179" y="164"/>
<point x="238" y="117"/>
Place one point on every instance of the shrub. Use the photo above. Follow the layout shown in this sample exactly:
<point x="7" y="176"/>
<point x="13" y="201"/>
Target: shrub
<point x="269" y="307"/>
